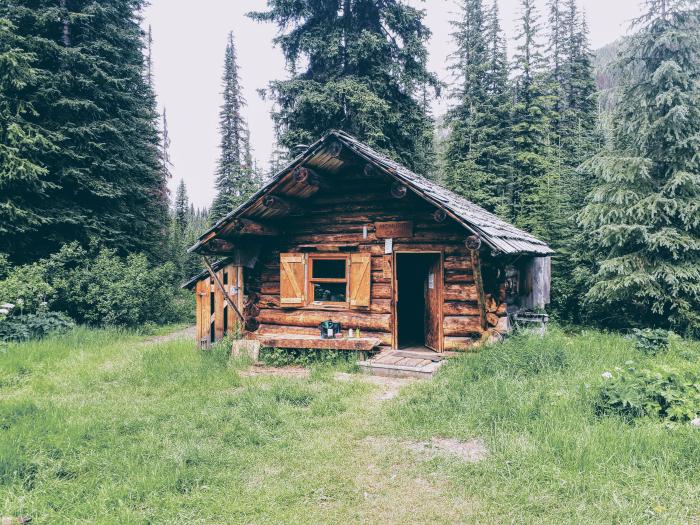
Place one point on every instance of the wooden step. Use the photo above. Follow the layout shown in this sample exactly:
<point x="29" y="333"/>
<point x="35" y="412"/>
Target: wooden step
<point x="395" y="363"/>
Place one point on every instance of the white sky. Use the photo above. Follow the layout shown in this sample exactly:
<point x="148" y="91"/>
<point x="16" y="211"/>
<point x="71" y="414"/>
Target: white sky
<point x="189" y="43"/>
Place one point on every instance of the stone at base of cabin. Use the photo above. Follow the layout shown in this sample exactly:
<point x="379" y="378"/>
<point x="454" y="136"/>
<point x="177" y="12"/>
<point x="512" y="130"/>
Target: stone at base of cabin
<point x="246" y="348"/>
<point x="503" y="325"/>
<point x="490" y="336"/>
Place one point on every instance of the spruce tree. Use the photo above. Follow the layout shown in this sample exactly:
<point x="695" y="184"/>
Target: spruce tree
<point x="182" y="211"/>
<point x="464" y="170"/>
<point x="533" y="191"/>
<point x="24" y="181"/>
<point x="358" y="66"/>
<point x="573" y="139"/>
<point x="479" y="156"/>
<point x="103" y="180"/>
<point x="643" y="220"/>
<point x="235" y="181"/>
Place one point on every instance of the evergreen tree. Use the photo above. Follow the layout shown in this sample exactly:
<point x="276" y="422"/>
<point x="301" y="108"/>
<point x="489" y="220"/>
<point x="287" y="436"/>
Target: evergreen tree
<point x="104" y="181"/>
<point x="534" y="187"/>
<point x="573" y="138"/>
<point x="235" y="181"/>
<point x="464" y="170"/>
<point x="24" y="183"/>
<point x="478" y="155"/>
<point x="165" y="150"/>
<point x="643" y="220"/>
<point x="182" y="211"/>
<point x="363" y="61"/>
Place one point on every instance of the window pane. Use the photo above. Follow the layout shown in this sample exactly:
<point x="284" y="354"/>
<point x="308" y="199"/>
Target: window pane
<point x="329" y="292"/>
<point x="329" y="269"/>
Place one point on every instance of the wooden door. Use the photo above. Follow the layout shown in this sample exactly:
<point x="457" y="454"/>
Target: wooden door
<point x="433" y="303"/>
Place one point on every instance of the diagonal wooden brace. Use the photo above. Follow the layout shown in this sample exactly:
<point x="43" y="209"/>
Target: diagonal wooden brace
<point x="221" y="287"/>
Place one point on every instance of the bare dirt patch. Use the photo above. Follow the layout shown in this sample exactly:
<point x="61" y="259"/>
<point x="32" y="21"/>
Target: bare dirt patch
<point x="278" y="371"/>
<point x="472" y="450"/>
<point x="389" y="387"/>
<point x="185" y="333"/>
<point x="394" y="491"/>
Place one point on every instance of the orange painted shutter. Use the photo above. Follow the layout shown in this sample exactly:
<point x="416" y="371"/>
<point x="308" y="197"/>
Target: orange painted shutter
<point x="360" y="279"/>
<point x="292" y="270"/>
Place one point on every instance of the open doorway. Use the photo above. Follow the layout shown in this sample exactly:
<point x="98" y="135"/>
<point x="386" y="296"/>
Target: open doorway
<point x="418" y="300"/>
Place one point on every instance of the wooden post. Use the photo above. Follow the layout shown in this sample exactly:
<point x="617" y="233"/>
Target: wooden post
<point x="473" y="244"/>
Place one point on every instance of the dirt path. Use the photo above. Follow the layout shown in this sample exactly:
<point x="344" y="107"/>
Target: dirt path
<point x="184" y="333"/>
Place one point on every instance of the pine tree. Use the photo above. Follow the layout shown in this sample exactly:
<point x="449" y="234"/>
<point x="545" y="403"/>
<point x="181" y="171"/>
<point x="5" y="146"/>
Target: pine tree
<point x="464" y="169"/>
<point x="533" y="189"/>
<point x="479" y="156"/>
<point x="363" y="61"/>
<point x="235" y="181"/>
<point x="24" y="180"/>
<point x="165" y="150"/>
<point x="182" y="211"/>
<point x="572" y="88"/>
<point x="104" y="181"/>
<point x="643" y="220"/>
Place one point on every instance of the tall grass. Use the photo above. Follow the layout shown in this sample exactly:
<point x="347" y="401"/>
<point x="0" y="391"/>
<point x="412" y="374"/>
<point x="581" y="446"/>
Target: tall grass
<point x="98" y="427"/>
<point x="553" y="459"/>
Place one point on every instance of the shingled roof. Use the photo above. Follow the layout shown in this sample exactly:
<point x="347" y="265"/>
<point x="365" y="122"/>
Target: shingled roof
<point x="502" y="237"/>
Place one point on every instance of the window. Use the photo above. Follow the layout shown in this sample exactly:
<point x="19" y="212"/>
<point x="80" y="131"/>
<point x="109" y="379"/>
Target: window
<point x="328" y="279"/>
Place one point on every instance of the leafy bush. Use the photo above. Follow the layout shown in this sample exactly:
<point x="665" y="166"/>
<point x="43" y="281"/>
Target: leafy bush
<point x="26" y="289"/>
<point x="98" y="288"/>
<point x="651" y="341"/>
<point x="18" y="328"/>
<point x="109" y="290"/>
<point x="661" y="392"/>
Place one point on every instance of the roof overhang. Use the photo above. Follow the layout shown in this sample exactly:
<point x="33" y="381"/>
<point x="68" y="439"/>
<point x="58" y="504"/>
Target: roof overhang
<point x="281" y="194"/>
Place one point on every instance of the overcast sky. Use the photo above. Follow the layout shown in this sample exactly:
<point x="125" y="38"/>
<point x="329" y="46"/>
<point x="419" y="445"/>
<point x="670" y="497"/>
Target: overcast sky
<point x="188" y="55"/>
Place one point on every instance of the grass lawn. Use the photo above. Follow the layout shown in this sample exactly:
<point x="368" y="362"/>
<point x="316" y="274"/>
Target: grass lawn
<point x="107" y="427"/>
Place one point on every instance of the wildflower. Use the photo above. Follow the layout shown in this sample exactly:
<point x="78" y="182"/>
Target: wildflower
<point x="7" y="306"/>
<point x="606" y="375"/>
<point x="695" y="422"/>
<point x="4" y="311"/>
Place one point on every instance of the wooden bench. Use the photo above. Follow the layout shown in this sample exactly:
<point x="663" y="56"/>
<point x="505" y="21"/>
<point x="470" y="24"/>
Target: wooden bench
<point x="363" y="344"/>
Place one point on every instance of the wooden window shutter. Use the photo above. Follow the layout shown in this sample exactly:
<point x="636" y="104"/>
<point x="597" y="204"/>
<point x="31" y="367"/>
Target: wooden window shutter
<point x="292" y="273"/>
<point x="360" y="279"/>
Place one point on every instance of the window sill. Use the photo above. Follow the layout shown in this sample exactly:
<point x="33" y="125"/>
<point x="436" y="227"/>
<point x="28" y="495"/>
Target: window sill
<point x="330" y="307"/>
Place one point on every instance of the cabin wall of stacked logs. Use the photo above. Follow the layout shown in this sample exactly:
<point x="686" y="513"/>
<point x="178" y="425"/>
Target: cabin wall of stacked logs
<point x="335" y="221"/>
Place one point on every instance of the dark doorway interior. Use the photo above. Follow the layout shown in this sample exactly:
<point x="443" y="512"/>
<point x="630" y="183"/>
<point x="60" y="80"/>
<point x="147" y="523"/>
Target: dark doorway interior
<point x="412" y="280"/>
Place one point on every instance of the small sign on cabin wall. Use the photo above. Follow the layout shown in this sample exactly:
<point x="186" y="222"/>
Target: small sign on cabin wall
<point x="388" y="246"/>
<point x="395" y="229"/>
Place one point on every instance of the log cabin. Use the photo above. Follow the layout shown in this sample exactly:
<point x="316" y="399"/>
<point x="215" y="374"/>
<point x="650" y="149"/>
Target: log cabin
<point x="347" y="235"/>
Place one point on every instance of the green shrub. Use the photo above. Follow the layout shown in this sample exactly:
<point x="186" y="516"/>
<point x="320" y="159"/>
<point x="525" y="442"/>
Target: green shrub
<point x="97" y="288"/>
<point x="26" y="289"/>
<point x="18" y="328"/>
<point x="651" y="341"/>
<point x="661" y="392"/>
